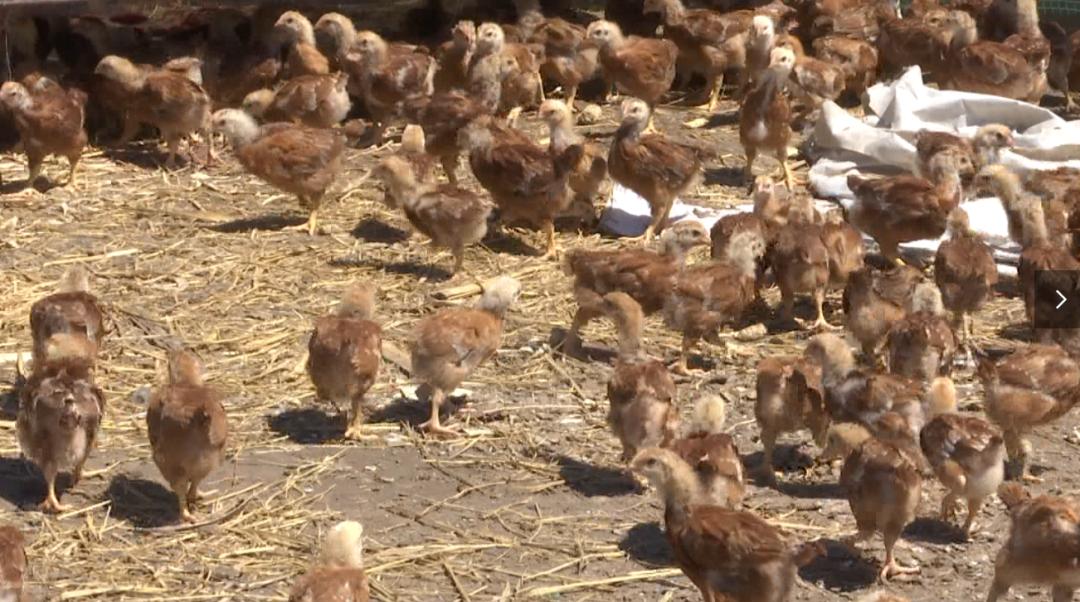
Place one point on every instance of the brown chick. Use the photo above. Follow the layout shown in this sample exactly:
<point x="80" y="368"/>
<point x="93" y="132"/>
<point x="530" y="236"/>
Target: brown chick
<point x="568" y="61"/>
<point x="875" y="300"/>
<point x="986" y="67"/>
<point x="49" y="123"/>
<point x="983" y="149"/>
<point x="12" y="563"/>
<point x="705" y="297"/>
<point x="713" y="454"/>
<point x="967" y="454"/>
<point x="522" y="87"/>
<point x="588" y="180"/>
<point x="293" y="158"/>
<point x="640" y="390"/>
<point x="453" y="58"/>
<point x="641" y="67"/>
<point x="1040" y="253"/>
<point x="847" y="251"/>
<point x="897" y="209"/>
<point x="710" y="542"/>
<point x="318" y="101"/>
<point x="646" y="276"/>
<point x="858" y="58"/>
<point x="443" y="115"/>
<point x="188" y="428"/>
<point x="451" y="217"/>
<point x="1029" y="39"/>
<point x="60" y="410"/>
<point x="71" y="310"/>
<point x="167" y="100"/>
<point x="1033" y="386"/>
<point x="965" y="272"/>
<point x="856" y="395"/>
<point x="921" y="345"/>
<point x="652" y="165"/>
<point x="706" y="42"/>
<point x="345" y="354"/>
<point x="388" y="80"/>
<point x="337" y="575"/>
<point x="800" y="263"/>
<point x="882" y="483"/>
<point x="790" y="398"/>
<point x="1005" y="184"/>
<point x="922" y="41"/>
<point x="303" y="56"/>
<point x="526" y="182"/>
<point x="765" y="115"/>
<point x="450" y="344"/>
<point x="1042" y="548"/>
<point x="814" y="80"/>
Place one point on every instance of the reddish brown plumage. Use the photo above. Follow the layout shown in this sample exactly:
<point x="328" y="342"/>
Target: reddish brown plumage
<point x="640" y="391"/>
<point x="303" y="57"/>
<point x="790" y="398"/>
<point x="453" y="58"/>
<point x="874" y="300"/>
<point x="72" y="310"/>
<point x="965" y="272"/>
<point x="643" y="67"/>
<point x="922" y="41"/>
<point x="765" y="115"/>
<point x="49" y="120"/>
<point x="389" y="80"/>
<point x="652" y="165"/>
<point x="337" y="575"/>
<point x="713" y="455"/>
<point x="318" y="101"/>
<point x="921" y="345"/>
<point x="988" y="67"/>
<point x="588" y="180"/>
<point x="12" y="562"/>
<point x="187" y="428"/>
<point x="646" y="276"/>
<point x="968" y="456"/>
<point x="800" y="261"/>
<point x="858" y="58"/>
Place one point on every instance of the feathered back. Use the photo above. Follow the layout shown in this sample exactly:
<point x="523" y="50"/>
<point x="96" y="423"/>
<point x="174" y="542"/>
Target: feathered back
<point x="710" y="413"/>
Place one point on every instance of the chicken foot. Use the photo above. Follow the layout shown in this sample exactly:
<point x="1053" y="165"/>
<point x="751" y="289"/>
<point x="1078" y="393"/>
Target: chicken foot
<point x="552" y="244"/>
<point x="52" y="503"/>
<point x="819" y="323"/>
<point x="355" y="430"/>
<point x="434" y="426"/>
<point x="891" y="567"/>
<point x="182" y="489"/>
<point x="681" y="365"/>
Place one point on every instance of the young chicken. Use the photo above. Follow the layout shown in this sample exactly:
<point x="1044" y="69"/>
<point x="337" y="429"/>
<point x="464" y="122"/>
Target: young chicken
<point x="858" y="58"/>
<point x="711" y="544"/>
<point x="525" y="181"/>
<point x="706" y="46"/>
<point x="293" y="158"/>
<point x="450" y="344"/>
<point x="790" y="398"/>
<point x="1033" y="386"/>
<point x="303" y="56"/>
<point x="883" y="485"/>
<point x="318" y="101"/>
<point x="12" y="563"/>
<point x="706" y="297"/>
<point x="853" y="394"/>
<point x="453" y="58"/>
<point x="1042" y="548"/>
<point x="60" y="410"/>
<point x="337" y="575"/>
<point x="451" y="217"/>
<point x="966" y="274"/>
<point x="814" y="80"/>
<point x="652" y="165"/>
<point x="642" y="67"/>
<point x="71" y="310"/>
<point x="1005" y="184"/>
<point x="765" y="115"/>
<point x="165" y="99"/>
<point x="188" y="428"/>
<point x="968" y="456"/>
<point x="388" y="81"/>
<point x="800" y="263"/>
<point x="646" y="276"/>
<point x="570" y="65"/>
<point x="640" y="390"/>
<point x="1040" y="253"/>
<point x="713" y="455"/>
<point x="846" y="249"/>
<point x="522" y="87"/>
<point x="345" y="354"/>
<point x="49" y="123"/>
<point x="875" y="300"/>
<point x="982" y="150"/>
<point x="589" y="177"/>
<point x="921" y="345"/>
<point x="987" y="67"/>
<point x="904" y="208"/>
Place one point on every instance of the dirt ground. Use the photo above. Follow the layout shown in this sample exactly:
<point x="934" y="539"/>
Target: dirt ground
<point x="530" y="502"/>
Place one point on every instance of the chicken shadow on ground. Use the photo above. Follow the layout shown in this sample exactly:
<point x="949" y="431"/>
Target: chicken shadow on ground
<point x="791" y="459"/>
<point x="22" y="485"/>
<point x="589" y="353"/>
<point x="262" y="222"/>
<point x="934" y="530"/>
<point x="725" y="176"/>
<point x="373" y="230"/>
<point x="9" y="403"/>
<point x="725" y="118"/>
<point x="1019" y="332"/>
<point x="144" y="155"/>
<point x="595" y="481"/>
<point x="42" y="184"/>
<point x="425" y="270"/>
<point x="839" y="569"/>
<point x="307" y="425"/>
<point x="505" y="243"/>
<point x="142" y="502"/>
<point x="647" y="544"/>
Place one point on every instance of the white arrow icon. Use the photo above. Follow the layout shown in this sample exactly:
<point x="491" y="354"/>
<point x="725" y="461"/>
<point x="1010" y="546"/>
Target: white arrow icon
<point x="1063" y="299"/>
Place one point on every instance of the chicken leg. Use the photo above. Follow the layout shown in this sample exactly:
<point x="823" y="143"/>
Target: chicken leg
<point x="891" y="566"/>
<point x="434" y="426"/>
<point x="355" y="430"/>
<point x="819" y="323"/>
<point x="681" y="366"/>
<point x="52" y="503"/>
<point x="181" y="489"/>
<point x="552" y="244"/>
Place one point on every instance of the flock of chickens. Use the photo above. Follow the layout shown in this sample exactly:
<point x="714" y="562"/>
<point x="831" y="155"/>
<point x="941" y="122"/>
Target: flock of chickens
<point x="282" y="95"/>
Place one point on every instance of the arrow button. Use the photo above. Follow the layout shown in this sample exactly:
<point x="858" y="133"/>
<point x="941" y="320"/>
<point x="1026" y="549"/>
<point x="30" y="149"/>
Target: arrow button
<point x="1063" y="298"/>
